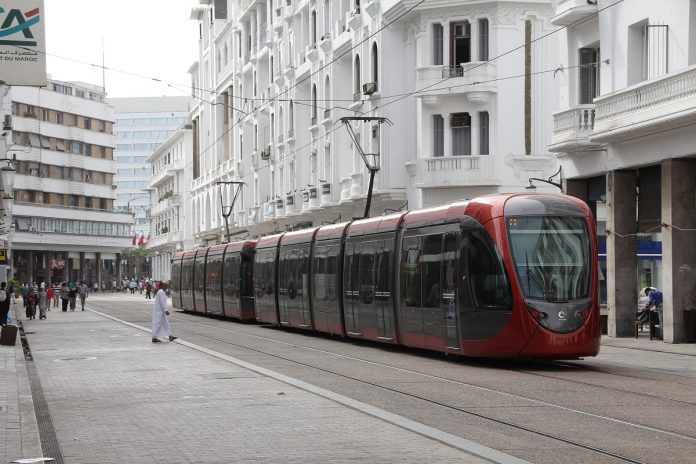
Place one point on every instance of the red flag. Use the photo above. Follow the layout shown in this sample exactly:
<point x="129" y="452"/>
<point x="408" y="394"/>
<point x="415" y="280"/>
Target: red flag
<point x="148" y="237"/>
<point x="142" y="240"/>
<point x="135" y="238"/>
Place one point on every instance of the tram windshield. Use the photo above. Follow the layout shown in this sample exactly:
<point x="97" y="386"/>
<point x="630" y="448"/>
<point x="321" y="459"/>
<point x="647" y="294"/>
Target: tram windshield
<point x="551" y="256"/>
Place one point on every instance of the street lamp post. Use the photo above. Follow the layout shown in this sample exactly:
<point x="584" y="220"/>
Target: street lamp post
<point x="371" y="160"/>
<point x="558" y="185"/>
<point x="226" y="214"/>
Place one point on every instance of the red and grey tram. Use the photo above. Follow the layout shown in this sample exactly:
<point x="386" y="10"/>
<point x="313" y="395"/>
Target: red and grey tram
<point x="511" y="275"/>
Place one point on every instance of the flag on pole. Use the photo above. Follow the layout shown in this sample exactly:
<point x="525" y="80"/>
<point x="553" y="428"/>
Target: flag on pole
<point x="135" y="238"/>
<point x="142" y="239"/>
<point x="148" y="237"/>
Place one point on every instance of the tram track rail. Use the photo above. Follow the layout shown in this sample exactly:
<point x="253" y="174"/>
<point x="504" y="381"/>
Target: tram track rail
<point x="557" y="438"/>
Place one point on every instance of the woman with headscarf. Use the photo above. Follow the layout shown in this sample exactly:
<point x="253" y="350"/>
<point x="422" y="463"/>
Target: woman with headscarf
<point x="72" y="296"/>
<point x="31" y="300"/>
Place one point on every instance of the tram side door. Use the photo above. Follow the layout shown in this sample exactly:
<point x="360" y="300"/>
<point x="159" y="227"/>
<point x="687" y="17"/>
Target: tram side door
<point x="385" y="313"/>
<point x="351" y="289"/>
<point x="368" y="318"/>
<point x="450" y="258"/>
<point x="302" y="270"/>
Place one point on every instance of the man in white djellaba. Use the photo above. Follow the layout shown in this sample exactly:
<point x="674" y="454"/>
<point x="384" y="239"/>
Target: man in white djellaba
<point x="160" y="323"/>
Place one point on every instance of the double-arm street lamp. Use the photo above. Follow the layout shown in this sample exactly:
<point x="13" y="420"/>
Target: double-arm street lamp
<point x="227" y="210"/>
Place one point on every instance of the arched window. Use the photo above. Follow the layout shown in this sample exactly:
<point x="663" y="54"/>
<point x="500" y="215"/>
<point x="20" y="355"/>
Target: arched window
<point x="356" y="78"/>
<point x="375" y="65"/>
<point x="281" y="123"/>
<point x="314" y="104"/>
<point x="314" y="27"/>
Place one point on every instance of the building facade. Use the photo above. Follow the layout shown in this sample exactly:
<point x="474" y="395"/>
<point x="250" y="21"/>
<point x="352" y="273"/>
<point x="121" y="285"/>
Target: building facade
<point x="65" y="228"/>
<point x="169" y="212"/>
<point x="625" y="140"/>
<point x="274" y="79"/>
<point x="142" y="124"/>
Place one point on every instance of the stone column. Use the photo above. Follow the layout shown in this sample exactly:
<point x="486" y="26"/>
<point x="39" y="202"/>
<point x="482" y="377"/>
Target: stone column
<point x="622" y="274"/>
<point x="678" y="245"/>
<point x="81" y="274"/>
<point x="118" y="269"/>
<point x="99" y="269"/>
<point x="30" y="267"/>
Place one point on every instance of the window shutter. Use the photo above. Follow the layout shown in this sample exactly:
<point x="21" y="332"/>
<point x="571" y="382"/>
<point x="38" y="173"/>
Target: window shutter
<point x="438" y="135"/>
<point x="437" y="44"/>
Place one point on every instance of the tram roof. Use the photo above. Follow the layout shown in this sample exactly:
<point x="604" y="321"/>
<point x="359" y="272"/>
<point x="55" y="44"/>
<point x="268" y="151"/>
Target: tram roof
<point x="269" y="241"/>
<point x="298" y="236"/>
<point x="376" y="225"/>
<point x="331" y="231"/>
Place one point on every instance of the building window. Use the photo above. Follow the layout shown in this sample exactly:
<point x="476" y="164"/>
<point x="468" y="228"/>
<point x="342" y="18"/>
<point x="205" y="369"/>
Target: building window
<point x="438" y="135"/>
<point x="461" y="134"/>
<point x="356" y="78"/>
<point x="314" y="104"/>
<point x="88" y="123"/>
<point x="589" y="75"/>
<point x="375" y="65"/>
<point x="484" y="131"/>
<point x="460" y="43"/>
<point x="44" y="114"/>
<point x="483" y="39"/>
<point x="59" y="117"/>
<point x="437" y="44"/>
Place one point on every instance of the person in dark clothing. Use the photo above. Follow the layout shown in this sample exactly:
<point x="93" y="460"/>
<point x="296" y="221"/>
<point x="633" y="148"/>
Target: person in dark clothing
<point x="64" y="298"/>
<point x="4" y="303"/>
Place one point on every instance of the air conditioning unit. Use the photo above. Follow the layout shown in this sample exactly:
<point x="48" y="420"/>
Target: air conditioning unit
<point x="369" y="88"/>
<point x="7" y="123"/>
<point x="88" y="178"/>
<point x="34" y="172"/>
<point x="114" y="186"/>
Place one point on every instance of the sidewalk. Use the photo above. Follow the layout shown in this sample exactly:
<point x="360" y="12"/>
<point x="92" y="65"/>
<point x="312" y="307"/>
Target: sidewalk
<point x="19" y="433"/>
<point x="114" y="397"/>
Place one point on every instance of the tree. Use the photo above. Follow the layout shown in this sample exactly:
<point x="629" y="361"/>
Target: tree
<point x="136" y="260"/>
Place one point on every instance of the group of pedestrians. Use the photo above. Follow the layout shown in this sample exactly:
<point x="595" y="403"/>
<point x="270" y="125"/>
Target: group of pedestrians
<point x="43" y="295"/>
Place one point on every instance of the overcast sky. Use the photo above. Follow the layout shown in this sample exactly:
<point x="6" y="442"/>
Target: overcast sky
<point x="153" y="38"/>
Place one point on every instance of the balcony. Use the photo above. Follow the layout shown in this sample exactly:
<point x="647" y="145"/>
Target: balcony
<point x="311" y="53"/>
<point x="325" y="42"/>
<point x="456" y="171"/>
<point x="476" y="80"/>
<point x="572" y="129"/>
<point x="168" y="171"/>
<point x="168" y="239"/>
<point x="571" y="11"/>
<point x="656" y="105"/>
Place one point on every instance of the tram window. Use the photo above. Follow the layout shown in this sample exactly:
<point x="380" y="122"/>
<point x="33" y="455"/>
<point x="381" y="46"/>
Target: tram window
<point x="430" y="264"/>
<point x="487" y="279"/>
<point x="231" y="272"/>
<point x="200" y="275"/>
<point x="409" y="269"/>
<point x="319" y="266"/>
<point x="367" y="273"/>
<point x="213" y="279"/>
<point x="264" y="273"/>
<point x="331" y="268"/>
<point x="246" y="273"/>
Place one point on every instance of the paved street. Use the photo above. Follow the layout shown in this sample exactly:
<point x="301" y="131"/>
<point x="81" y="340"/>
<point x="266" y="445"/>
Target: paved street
<point x="230" y="392"/>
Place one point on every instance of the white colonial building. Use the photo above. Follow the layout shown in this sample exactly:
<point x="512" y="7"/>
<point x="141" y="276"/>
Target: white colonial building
<point x="625" y="139"/>
<point x="65" y="227"/>
<point x="275" y="77"/>
<point x="170" y="213"/>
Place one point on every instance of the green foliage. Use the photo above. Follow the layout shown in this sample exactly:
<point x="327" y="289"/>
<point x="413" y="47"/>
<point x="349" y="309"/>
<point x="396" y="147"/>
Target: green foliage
<point x="135" y="253"/>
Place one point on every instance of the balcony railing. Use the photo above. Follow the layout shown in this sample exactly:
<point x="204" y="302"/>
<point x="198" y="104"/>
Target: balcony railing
<point x="475" y="76"/>
<point x="647" y="107"/>
<point x="572" y="128"/>
<point x="451" y="171"/>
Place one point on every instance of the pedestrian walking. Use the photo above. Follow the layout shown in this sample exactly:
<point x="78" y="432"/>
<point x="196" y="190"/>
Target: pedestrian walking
<point x="132" y="286"/>
<point x="160" y="323"/>
<point x="49" y="296"/>
<point x="30" y="304"/>
<point x="72" y="297"/>
<point x="43" y="302"/>
<point x="148" y="291"/>
<point x="64" y="297"/>
<point x="655" y="303"/>
<point x="56" y="295"/>
<point x="23" y="291"/>
<point x="4" y="303"/>
<point x="82" y="291"/>
<point x="96" y="287"/>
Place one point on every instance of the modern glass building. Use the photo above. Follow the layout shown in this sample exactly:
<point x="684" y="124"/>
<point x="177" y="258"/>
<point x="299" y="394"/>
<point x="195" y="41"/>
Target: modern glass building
<point x="142" y="124"/>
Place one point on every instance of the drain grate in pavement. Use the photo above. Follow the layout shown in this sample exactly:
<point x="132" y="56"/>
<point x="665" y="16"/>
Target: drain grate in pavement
<point x="47" y="434"/>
